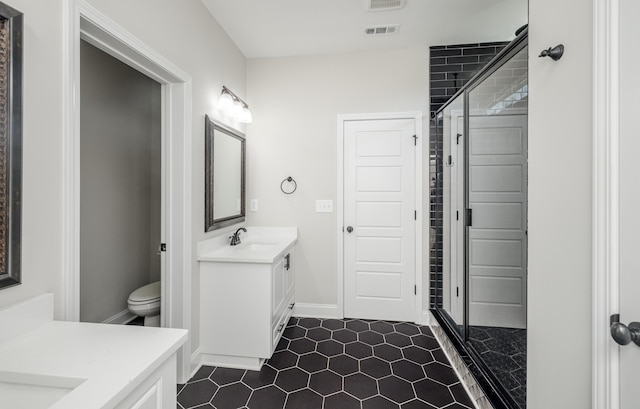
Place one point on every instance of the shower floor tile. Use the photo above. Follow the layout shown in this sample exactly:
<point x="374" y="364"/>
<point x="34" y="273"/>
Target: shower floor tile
<point x="504" y="350"/>
<point x="337" y="364"/>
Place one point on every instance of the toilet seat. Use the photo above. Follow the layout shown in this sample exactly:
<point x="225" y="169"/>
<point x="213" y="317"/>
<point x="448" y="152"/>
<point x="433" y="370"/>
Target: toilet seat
<point x="146" y="294"/>
<point x="145" y="301"/>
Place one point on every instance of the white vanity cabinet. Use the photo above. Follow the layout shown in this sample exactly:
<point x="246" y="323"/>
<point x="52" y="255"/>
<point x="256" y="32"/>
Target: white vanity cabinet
<point x="245" y="305"/>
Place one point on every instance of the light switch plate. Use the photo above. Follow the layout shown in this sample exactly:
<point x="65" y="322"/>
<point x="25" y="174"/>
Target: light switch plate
<point x="254" y="205"/>
<point x="324" y="206"/>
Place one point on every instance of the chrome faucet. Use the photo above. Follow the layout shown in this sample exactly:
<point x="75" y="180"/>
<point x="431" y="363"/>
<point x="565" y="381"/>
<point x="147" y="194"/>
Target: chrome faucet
<point x="235" y="238"/>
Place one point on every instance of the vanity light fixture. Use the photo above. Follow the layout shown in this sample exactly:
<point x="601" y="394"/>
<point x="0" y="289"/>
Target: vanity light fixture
<point x="233" y="106"/>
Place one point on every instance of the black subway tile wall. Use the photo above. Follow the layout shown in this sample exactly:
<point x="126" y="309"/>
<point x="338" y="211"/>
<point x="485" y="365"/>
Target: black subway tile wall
<point x="451" y="66"/>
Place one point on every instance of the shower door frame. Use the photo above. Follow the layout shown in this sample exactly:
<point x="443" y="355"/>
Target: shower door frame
<point x="494" y="390"/>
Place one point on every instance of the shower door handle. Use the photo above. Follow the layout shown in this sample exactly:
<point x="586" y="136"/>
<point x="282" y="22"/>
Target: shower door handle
<point x="622" y="334"/>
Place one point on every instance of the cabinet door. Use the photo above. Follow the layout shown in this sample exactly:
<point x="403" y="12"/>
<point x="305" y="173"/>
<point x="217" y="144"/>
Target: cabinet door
<point x="277" y="291"/>
<point x="150" y="400"/>
<point x="289" y="279"/>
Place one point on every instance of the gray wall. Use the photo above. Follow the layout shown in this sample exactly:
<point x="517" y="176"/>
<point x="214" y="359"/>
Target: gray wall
<point x="119" y="183"/>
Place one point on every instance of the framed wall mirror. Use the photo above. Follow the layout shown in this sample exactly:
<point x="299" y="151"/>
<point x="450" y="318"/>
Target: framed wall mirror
<point x="11" y="33"/>
<point x="224" y="176"/>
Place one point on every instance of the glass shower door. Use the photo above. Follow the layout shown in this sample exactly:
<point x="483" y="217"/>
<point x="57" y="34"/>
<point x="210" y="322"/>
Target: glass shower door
<point x="496" y="236"/>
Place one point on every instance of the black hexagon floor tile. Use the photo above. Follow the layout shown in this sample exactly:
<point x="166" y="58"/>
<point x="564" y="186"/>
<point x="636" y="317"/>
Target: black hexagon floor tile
<point x="224" y="376"/>
<point x="396" y="389"/>
<point x="371" y="338"/>
<point x="330" y="348"/>
<point x="294" y="332"/>
<point x="342" y="401"/>
<point x="258" y="379"/>
<point x="344" y="335"/>
<point x="408" y="370"/>
<point x="382" y="327"/>
<point x="345" y="364"/>
<point x="196" y="393"/>
<point x="234" y="395"/>
<point x="269" y="397"/>
<point x="313" y="362"/>
<point x="360" y="385"/>
<point x="358" y="350"/>
<point x="375" y="367"/>
<point x="325" y="382"/>
<point x="357" y="325"/>
<point x="333" y="324"/>
<point x="292" y="379"/>
<point x="305" y="398"/>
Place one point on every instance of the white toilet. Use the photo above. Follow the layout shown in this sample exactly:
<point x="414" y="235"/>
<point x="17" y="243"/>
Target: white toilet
<point x="145" y="302"/>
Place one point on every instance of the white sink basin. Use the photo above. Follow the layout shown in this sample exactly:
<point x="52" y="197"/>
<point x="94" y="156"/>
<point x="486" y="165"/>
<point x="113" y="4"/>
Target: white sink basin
<point x="31" y="391"/>
<point x="256" y="246"/>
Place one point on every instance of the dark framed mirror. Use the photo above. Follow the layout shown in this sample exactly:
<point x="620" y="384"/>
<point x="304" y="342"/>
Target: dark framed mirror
<point x="11" y="30"/>
<point x="224" y="192"/>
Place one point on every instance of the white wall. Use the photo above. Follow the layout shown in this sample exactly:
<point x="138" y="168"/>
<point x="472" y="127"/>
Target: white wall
<point x="120" y="155"/>
<point x="295" y="102"/>
<point x="559" y="313"/>
<point x="42" y="154"/>
<point x="183" y="32"/>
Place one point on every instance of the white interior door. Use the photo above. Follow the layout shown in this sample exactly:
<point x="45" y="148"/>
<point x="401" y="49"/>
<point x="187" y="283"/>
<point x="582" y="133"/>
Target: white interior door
<point x="629" y="199"/>
<point x="497" y="244"/>
<point x="379" y="219"/>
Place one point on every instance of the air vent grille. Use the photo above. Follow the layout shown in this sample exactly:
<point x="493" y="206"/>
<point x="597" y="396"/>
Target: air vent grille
<point x="382" y="30"/>
<point x="378" y="5"/>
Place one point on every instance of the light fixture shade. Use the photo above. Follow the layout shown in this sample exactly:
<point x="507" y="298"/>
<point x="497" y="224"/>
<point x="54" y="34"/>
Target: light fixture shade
<point x="225" y="102"/>
<point x="236" y="110"/>
<point x="246" y="117"/>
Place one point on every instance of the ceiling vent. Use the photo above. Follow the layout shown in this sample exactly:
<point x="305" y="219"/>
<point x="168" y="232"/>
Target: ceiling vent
<point x="382" y="30"/>
<point x="380" y="5"/>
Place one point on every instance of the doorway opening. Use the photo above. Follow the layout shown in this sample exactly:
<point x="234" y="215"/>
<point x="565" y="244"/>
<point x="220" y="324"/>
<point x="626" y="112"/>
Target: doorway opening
<point x="121" y="187"/>
<point x="84" y="22"/>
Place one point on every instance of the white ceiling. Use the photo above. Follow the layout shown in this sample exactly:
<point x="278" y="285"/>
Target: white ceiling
<point x="276" y="28"/>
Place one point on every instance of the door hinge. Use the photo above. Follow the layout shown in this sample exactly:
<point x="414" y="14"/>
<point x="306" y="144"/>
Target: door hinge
<point x="458" y="138"/>
<point x="415" y="290"/>
<point x="457" y="291"/>
<point x="415" y="215"/>
<point x="415" y="140"/>
<point x="469" y="217"/>
<point x="449" y="161"/>
<point x="163" y="246"/>
<point x="457" y="215"/>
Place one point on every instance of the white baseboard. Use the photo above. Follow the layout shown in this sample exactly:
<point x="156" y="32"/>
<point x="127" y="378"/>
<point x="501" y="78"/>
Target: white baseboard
<point x="425" y="319"/>
<point x="196" y="362"/>
<point x="316" y="310"/>
<point x="123" y="317"/>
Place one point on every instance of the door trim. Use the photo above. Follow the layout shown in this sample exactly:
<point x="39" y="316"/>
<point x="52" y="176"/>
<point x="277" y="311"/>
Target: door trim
<point x="342" y="118"/>
<point x="605" y="201"/>
<point x="82" y="21"/>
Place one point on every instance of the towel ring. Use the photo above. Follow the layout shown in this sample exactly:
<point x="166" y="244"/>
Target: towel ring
<point x="290" y="180"/>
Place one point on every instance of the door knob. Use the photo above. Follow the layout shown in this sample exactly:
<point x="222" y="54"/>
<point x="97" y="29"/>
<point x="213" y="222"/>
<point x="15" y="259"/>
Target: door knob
<point x="349" y="229"/>
<point x="624" y="335"/>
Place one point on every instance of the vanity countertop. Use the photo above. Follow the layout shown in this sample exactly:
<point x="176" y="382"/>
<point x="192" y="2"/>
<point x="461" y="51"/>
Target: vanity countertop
<point x="106" y="362"/>
<point x="258" y="245"/>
